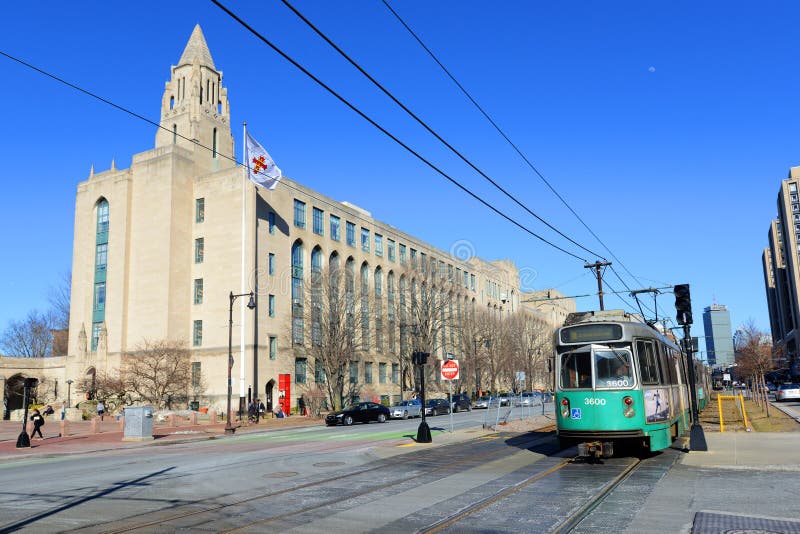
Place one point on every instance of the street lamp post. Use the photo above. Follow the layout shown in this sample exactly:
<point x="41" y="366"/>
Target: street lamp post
<point x="69" y="393"/>
<point x="229" y="429"/>
<point x="419" y="359"/>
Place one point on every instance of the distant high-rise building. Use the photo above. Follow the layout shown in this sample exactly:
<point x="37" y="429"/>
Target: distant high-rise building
<point x="781" y="264"/>
<point x="719" y="335"/>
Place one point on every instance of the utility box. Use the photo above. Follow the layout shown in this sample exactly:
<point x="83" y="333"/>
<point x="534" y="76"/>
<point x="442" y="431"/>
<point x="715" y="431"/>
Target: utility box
<point x="138" y="423"/>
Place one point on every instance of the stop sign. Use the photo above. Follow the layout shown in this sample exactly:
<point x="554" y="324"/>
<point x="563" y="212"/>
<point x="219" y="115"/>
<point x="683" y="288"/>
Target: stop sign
<point x="450" y="370"/>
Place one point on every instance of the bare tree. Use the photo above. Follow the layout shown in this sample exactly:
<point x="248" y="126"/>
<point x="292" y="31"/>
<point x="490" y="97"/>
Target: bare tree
<point x="334" y="335"/>
<point x="30" y="338"/>
<point x="59" y="298"/>
<point x="754" y="356"/>
<point x="108" y="387"/>
<point x="158" y="372"/>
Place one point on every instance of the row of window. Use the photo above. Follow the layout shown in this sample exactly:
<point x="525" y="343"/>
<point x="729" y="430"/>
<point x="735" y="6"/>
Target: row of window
<point x="301" y="372"/>
<point x="393" y="249"/>
<point x="197" y="339"/>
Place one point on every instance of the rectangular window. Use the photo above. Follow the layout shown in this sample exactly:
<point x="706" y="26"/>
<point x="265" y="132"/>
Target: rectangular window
<point x="449" y="272"/>
<point x="199" y="247"/>
<point x="319" y="372"/>
<point x="198" y="290"/>
<point x="197" y="334"/>
<point x="271" y="305"/>
<point x="793" y="187"/>
<point x="271" y="264"/>
<point x="196" y="374"/>
<point x="99" y="296"/>
<point x="351" y="234"/>
<point x="391" y="249"/>
<point x="576" y="370"/>
<point x="96" y="328"/>
<point x="368" y="372"/>
<point x="466" y="279"/>
<point x="101" y="257"/>
<point x="648" y="368"/>
<point x="272" y="222"/>
<point x="364" y="239"/>
<point x="382" y="373"/>
<point x="378" y="245"/>
<point x="354" y="372"/>
<point x="336" y="228"/>
<point x="273" y="347"/>
<point x="299" y="213"/>
<point x="414" y="258"/>
<point x="319" y="221"/>
<point x="395" y="373"/>
<point x="199" y="210"/>
<point x="300" y="365"/>
<point x="402" y="253"/>
<point x="472" y="281"/>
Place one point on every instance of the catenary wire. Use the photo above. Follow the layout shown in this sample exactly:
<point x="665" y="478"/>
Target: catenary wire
<point x="235" y="161"/>
<point x="430" y="130"/>
<point x="386" y="132"/>
<point x="508" y="140"/>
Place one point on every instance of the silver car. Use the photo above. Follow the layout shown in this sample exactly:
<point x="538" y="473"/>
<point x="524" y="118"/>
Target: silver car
<point x="405" y="409"/>
<point x="529" y="398"/>
<point x="787" y="392"/>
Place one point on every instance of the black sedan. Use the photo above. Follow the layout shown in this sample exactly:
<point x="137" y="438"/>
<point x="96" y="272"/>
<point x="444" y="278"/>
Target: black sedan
<point x="363" y="412"/>
<point x="437" y="406"/>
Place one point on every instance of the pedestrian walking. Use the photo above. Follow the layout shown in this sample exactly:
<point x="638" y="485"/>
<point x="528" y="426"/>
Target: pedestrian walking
<point x="301" y="402"/>
<point x="38" y="422"/>
<point x="261" y="409"/>
<point x="101" y="409"/>
<point x="63" y="410"/>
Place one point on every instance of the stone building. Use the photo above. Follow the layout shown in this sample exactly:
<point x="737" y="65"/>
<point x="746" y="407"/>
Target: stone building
<point x="158" y="251"/>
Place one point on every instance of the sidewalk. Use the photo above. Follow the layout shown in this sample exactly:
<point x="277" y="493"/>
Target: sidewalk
<point x="110" y="435"/>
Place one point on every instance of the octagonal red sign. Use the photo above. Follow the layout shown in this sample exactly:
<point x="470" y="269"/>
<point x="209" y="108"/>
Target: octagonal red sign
<point x="450" y="370"/>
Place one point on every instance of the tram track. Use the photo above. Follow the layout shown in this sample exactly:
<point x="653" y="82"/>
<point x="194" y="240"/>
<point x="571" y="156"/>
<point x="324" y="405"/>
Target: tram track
<point x="432" y="462"/>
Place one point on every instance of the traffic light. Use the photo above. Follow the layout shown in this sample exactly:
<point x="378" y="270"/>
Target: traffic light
<point x="420" y="358"/>
<point x="683" y="304"/>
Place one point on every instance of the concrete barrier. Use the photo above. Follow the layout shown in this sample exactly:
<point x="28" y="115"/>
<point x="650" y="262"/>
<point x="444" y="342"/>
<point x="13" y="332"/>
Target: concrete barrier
<point x="63" y="429"/>
<point x="94" y="425"/>
<point x="212" y="416"/>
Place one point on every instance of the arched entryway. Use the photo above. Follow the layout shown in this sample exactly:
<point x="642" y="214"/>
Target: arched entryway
<point x="13" y="394"/>
<point x="268" y="399"/>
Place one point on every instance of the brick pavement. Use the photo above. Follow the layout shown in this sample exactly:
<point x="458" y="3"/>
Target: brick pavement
<point x="79" y="439"/>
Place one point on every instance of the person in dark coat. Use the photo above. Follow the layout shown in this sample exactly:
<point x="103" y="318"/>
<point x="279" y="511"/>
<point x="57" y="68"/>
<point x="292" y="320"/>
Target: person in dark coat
<point x="38" y="422"/>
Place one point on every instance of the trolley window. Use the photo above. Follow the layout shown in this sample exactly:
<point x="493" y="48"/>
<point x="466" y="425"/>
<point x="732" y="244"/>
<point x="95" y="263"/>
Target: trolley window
<point x="647" y="362"/>
<point x="576" y="370"/>
<point x="613" y="368"/>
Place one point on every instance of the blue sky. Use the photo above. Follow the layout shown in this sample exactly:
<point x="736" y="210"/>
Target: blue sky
<point x="666" y="125"/>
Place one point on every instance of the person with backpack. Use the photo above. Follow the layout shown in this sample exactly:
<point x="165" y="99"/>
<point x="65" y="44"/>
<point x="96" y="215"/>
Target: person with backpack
<point x="38" y="423"/>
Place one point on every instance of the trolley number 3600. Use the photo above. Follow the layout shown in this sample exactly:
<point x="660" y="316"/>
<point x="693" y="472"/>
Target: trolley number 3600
<point x="594" y="402"/>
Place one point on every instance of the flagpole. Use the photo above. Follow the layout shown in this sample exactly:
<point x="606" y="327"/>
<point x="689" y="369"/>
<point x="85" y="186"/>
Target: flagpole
<point x="242" y="315"/>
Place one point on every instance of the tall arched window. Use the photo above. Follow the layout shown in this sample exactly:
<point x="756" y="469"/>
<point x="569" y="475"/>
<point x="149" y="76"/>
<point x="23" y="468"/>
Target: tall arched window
<point x="316" y="296"/>
<point x="297" y="292"/>
<point x="100" y="271"/>
<point x="379" y="309"/>
<point x="365" y="306"/>
<point x="333" y="282"/>
<point x="403" y="317"/>
<point x="350" y="298"/>
<point x="390" y="309"/>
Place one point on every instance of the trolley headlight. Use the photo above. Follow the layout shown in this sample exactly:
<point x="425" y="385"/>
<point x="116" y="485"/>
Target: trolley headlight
<point x="565" y="407"/>
<point x="628" y="411"/>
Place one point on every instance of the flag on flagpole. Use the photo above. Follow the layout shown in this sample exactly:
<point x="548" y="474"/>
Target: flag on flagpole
<point x="261" y="168"/>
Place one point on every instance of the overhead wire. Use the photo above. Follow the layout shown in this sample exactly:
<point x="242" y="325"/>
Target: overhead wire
<point x="509" y="141"/>
<point x="383" y="130"/>
<point x="430" y="130"/>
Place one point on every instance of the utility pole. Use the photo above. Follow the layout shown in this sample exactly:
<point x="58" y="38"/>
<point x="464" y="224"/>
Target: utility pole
<point x="597" y="266"/>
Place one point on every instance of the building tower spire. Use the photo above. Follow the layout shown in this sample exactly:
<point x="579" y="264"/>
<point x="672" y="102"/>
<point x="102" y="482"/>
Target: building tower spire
<point x="195" y="107"/>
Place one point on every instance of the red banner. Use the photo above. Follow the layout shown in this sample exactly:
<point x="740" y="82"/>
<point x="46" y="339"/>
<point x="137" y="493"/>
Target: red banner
<point x="285" y="392"/>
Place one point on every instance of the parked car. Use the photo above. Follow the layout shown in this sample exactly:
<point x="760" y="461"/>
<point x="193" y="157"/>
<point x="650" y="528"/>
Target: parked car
<point x="460" y="402"/>
<point x="482" y="402"/>
<point x="505" y="399"/>
<point x="437" y="406"/>
<point x="363" y="412"/>
<point x="787" y="392"/>
<point x="529" y="398"/>
<point x="405" y="409"/>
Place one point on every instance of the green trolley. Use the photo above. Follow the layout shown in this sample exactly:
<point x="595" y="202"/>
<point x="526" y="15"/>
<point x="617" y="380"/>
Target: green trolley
<point x="619" y="380"/>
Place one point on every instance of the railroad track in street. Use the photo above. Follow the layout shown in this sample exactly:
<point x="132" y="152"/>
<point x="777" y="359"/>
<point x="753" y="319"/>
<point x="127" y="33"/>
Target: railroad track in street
<point x="424" y="465"/>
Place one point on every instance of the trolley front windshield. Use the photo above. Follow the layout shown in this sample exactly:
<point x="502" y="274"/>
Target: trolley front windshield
<point x="597" y="366"/>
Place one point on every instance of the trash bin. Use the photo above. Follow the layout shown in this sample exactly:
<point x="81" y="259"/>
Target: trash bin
<point x="194" y="405"/>
<point x="138" y="423"/>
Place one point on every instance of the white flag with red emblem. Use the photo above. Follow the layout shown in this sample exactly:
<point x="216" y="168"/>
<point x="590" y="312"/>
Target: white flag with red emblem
<point x="261" y="169"/>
